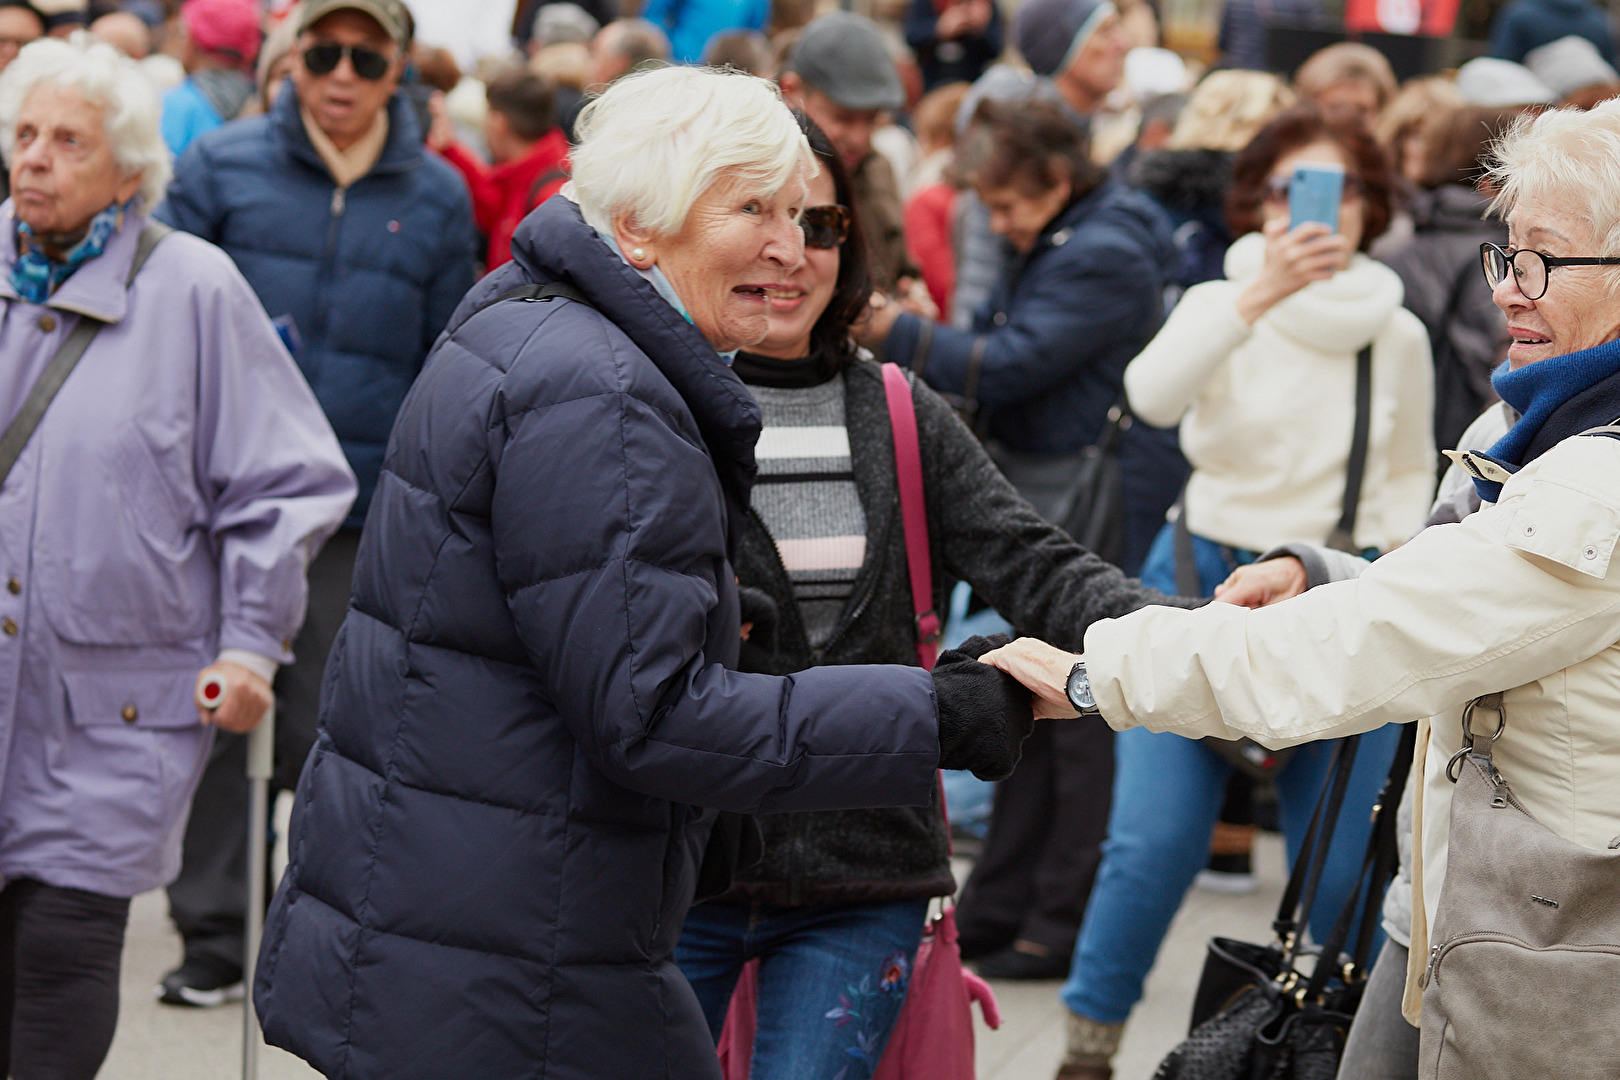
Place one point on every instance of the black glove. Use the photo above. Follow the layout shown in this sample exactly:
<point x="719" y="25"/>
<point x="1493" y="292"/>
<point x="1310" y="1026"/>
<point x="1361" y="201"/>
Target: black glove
<point x="984" y="713"/>
<point x="757" y="607"/>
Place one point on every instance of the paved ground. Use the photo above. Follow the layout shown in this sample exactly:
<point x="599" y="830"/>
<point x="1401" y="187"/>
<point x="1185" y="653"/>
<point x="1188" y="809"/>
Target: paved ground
<point x="157" y="1042"/>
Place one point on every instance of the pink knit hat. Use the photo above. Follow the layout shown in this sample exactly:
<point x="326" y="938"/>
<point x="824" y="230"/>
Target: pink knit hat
<point x="227" y="27"/>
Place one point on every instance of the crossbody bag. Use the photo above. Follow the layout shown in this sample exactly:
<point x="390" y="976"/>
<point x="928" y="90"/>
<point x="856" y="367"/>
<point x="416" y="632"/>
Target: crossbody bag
<point x="67" y="357"/>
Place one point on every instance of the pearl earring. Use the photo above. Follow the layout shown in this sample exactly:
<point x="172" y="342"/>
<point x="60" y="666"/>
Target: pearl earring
<point x="638" y="254"/>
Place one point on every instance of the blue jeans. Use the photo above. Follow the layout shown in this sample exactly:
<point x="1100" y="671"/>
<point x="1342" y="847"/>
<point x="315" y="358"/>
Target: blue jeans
<point x="832" y="978"/>
<point x="1168" y="792"/>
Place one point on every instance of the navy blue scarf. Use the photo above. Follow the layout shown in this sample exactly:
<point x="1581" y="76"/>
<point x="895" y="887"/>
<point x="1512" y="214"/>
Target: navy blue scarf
<point x="1556" y="398"/>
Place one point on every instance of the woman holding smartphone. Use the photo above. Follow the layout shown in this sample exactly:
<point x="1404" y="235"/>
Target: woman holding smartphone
<point x="1259" y="369"/>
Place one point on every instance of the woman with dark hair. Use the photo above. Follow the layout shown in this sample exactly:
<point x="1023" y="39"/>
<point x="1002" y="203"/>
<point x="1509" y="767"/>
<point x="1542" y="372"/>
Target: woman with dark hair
<point x="1467" y="334"/>
<point x="1082" y="294"/>
<point x="1260" y="370"/>
<point x="839" y="899"/>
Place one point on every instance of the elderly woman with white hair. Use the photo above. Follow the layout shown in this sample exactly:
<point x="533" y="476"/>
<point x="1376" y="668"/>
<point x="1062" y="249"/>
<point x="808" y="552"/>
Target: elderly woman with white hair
<point x="1500" y="625"/>
<point x="167" y="475"/>
<point x="528" y="721"/>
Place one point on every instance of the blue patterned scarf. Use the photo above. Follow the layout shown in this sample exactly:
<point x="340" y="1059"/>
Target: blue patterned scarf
<point x="35" y="275"/>
<point x="1557" y="397"/>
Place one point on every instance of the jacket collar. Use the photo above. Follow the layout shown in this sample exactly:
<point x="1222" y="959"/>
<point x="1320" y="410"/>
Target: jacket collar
<point x="555" y="243"/>
<point x="97" y="288"/>
<point x="402" y="151"/>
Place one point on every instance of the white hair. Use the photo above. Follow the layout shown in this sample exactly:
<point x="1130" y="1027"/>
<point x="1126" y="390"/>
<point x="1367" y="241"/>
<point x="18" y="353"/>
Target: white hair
<point x="1563" y="157"/>
<point x="105" y="77"/>
<point x="655" y="141"/>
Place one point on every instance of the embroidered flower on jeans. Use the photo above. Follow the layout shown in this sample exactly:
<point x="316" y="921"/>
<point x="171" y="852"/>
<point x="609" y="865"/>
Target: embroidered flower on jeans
<point x="895" y="970"/>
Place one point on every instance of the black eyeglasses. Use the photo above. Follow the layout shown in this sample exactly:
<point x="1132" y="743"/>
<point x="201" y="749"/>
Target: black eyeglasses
<point x="1530" y="268"/>
<point x="324" y="58"/>
<point x="825" y="226"/>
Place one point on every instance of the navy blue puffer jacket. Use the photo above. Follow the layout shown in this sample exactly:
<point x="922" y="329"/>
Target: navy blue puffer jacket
<point x="369" y="275"/>
<point x="527" y="710"/>
<point x="1060" y="326"/>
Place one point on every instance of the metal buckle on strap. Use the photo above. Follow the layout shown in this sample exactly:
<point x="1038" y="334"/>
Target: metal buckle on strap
<point x="1487" y="701"/>
<point x="929" y="628"/>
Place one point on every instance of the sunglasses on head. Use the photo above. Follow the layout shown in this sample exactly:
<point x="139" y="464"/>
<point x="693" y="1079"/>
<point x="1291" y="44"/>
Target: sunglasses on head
<point x="324" y="58"/>
<point x="824" y="226"/>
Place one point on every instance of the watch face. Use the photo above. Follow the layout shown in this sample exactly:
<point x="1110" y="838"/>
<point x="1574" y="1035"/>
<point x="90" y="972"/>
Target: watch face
<point x="1079" y="689"/>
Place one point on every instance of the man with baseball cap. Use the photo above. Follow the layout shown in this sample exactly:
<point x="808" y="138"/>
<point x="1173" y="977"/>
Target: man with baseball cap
<point x="840" y="73"/>
<point x="219" y="43"/>
<point x="359" y="244"/>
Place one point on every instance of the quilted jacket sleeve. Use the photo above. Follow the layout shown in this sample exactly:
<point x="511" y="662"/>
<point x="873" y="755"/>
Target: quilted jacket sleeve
<point x="609" y="537"/>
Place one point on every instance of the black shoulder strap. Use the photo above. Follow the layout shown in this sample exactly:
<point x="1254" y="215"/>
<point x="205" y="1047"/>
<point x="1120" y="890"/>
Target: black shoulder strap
<point x="67" y="357"/>
<point x="1299" y="895"/>
<point x="553" y="173"/>
<point x="1343" y="533"/>
<point x="532" y="293"/>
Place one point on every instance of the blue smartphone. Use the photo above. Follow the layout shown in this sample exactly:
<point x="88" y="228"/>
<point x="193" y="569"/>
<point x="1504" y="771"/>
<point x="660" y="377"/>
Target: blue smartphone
<point x="1314" y="194"/>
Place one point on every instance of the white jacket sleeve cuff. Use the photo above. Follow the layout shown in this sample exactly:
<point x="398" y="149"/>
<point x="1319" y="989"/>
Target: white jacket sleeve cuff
<point x="262" y="666"/>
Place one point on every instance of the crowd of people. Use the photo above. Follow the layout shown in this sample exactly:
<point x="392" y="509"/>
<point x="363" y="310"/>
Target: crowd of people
<point x="526" y="428"/>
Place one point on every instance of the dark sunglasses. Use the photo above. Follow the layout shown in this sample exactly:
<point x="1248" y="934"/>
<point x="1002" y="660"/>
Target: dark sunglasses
<point x="324" y="58"/>
<point x="825" y="226"/>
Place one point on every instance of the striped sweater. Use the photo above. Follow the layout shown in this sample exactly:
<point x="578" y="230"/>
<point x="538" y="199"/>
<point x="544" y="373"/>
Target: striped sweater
<point x="805" y="494"/>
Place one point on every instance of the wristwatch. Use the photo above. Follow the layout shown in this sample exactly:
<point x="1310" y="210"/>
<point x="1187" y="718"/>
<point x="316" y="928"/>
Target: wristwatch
<point x="1079" y="691"/>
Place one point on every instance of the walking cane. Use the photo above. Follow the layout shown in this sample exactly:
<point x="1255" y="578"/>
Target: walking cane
<point x="260" y="758"/>
<point x="260" y="761"/>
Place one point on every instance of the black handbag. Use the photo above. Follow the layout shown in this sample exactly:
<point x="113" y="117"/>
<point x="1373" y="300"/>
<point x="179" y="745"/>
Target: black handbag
<point x="1282" y="1011"/>
<point x="1093" y="510"/>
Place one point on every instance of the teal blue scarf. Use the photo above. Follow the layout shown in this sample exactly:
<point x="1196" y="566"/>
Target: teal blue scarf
<point x="35" y="275"/>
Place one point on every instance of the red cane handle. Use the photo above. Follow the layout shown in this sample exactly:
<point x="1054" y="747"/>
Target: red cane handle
<point x="211" y="691"/>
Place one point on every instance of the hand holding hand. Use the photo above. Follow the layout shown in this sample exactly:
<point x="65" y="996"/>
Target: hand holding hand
<point x="246" y="701"/>
<point x="1261" y="584"/>
<point x="1044" y="669"/>
<point x="1294" y="258"/>
<point x="984" y="715"/>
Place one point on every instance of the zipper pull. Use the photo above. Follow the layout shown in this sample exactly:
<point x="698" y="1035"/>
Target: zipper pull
<point x="1428" y="972"/>
<point x="339" y="200"/>
<point x="1499" y="797"/>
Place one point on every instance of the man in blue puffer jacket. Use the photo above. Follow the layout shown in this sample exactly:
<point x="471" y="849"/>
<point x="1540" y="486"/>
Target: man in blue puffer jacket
<point x="360" y="244"/>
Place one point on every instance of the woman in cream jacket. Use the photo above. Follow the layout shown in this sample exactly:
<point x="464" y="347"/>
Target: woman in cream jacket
<point x="1260" y="371"/>
<point x="1520" y="597"/>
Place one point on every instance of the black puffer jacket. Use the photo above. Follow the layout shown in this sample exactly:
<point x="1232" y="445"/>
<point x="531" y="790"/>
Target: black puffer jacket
<point x="980" y="531"/>
<point x="525" y="716"/>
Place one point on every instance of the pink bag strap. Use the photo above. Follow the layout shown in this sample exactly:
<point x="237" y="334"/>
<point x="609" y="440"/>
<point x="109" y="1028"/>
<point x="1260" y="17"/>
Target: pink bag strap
<point x="914" y="518"/>
<point x="913" y="511"/>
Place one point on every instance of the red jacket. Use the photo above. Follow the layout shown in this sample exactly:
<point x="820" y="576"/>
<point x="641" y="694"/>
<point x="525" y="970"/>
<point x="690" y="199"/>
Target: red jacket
<point x="930" y="214"/>
<point x="503" y="194"/>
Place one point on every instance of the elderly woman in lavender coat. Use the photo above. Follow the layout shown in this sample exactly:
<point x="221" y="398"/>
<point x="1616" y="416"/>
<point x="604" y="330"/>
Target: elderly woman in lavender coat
<point x="154" y="530"/>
